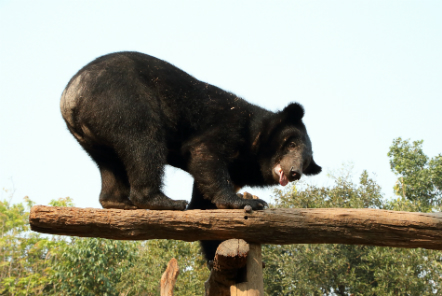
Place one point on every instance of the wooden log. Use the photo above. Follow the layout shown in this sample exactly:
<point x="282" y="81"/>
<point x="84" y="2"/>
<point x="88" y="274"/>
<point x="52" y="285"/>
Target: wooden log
<point x="237" y="270"/>
<point x="231" y="254"/>
<point x="168" y="278"/>
<point x="230" y="258"/>
<point x="253" y="285"/>
<point x="272" y="226"/>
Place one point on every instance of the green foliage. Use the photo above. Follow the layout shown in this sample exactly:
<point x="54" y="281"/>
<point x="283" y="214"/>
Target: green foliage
<point x="420" y="178"/>
<point x="92" y="266"/>
<point x="25" y="267"/>
<point x="344" y="194"/>
<point x="322" y="269"/>
<point x="62" y="202"/>
<point x="153" y="256"/>
<point x="352" y="270"/>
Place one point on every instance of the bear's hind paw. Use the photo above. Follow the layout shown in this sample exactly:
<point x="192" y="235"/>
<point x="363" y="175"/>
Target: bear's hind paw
<point x="160" y="202"/>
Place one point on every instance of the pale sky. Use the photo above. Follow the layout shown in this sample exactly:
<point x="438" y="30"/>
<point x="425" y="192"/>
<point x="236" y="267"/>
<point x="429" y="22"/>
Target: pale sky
<point x="365" y="71"/>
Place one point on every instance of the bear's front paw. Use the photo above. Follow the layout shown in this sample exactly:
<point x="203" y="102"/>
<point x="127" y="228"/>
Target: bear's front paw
<point x="256" y="204"/>
<point x="250" y="196"/>
<point x="239" y="202"/>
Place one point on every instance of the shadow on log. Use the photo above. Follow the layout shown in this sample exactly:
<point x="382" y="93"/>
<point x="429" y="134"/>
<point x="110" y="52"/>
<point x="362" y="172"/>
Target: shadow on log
<point x="272" y="226"/>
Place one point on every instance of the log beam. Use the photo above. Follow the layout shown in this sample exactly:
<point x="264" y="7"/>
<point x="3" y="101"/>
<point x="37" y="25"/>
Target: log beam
<point x="272" y="226"/>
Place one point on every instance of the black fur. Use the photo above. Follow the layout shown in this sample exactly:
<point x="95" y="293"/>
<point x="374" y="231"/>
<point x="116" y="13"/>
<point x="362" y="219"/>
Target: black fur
<point x="134" y="113"/>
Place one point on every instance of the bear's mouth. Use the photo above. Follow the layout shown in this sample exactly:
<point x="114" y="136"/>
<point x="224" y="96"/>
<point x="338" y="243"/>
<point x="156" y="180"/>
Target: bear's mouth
<point x="282" y="177"/>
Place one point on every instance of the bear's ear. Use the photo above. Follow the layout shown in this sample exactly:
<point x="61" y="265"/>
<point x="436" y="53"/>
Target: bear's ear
<point x="312" y="169"/>
<point x="293" y="112"/>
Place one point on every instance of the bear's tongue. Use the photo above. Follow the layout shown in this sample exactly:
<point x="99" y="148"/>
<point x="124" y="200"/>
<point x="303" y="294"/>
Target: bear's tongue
<point x="282" y="179"/>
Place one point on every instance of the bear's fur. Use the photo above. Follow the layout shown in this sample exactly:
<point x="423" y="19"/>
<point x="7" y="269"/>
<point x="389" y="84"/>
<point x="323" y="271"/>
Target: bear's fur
<point x="133" y="114"/>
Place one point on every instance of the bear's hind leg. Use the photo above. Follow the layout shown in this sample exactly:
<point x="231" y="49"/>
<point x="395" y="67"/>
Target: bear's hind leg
<point x="144" y="159"/>
<point x="114" y="183"/>
<point x="208" y="247"/>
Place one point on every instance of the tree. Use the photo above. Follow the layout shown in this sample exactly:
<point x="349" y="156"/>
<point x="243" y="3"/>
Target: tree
<point x="321" y="269"/>
<point x="144" y="277"/>
<point x="92" y="266"/>
<point x="362" y="270"/>
<point x="27" y="257"/>
<point x="420" y="178"/>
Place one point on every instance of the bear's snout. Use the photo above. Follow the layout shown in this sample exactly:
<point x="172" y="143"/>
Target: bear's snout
<point x="295" y="174"/>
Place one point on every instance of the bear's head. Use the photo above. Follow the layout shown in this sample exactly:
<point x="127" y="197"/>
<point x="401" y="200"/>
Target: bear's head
<point x="286" y="147"/>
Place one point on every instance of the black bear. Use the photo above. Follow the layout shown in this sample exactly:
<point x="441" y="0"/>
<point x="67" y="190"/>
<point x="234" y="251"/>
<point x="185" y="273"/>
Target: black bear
<point x="134" y="113"/>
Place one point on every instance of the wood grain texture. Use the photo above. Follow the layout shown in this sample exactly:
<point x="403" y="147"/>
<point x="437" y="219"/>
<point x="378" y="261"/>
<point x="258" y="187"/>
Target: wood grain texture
<point x="272" y="226"/>
<point x="254" y="285"/>
<point x="169" y="277"/>
<point x="230" y="258"/>
<point x="231" y="254"/>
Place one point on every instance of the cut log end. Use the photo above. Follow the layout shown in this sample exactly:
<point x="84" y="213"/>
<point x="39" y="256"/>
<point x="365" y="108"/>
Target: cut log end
<point x="231" y="254"/>
<point x="230" y="260"/>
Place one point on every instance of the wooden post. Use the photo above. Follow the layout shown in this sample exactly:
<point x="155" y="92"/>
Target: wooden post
<point x="230" y="258"/>
<point x="169" y="278"/>
<point x="254" y="284"/>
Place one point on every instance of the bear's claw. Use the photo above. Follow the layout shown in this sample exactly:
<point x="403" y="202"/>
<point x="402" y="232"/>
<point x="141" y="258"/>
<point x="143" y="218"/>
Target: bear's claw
<point x="237" y="202"/>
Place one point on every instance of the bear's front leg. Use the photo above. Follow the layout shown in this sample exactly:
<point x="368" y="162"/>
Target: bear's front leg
<point x="213" y="181"/>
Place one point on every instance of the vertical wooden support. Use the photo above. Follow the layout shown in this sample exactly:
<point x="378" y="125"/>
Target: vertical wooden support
<point x="254" y="285"/>
<point x="230" y="260"/>
<point x="228" y="267"/>
<point x="169" y="278"/>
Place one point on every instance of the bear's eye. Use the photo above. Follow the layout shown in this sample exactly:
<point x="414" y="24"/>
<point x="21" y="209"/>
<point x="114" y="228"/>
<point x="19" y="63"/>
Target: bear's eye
<point x="292" y="145"/>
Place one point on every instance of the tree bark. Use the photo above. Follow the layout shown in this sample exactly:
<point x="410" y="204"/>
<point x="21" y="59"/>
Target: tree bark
<point x="169" y="278"/>
<point x="272" y="226"/>
<point x="253" y="285"/>
<point x="231" y="254"/>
